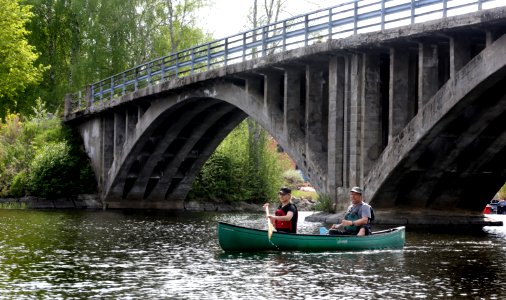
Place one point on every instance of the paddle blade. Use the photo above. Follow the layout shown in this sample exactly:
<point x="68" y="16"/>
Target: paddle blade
<point x="270" y="230"/>
<point x="324" y="231"/>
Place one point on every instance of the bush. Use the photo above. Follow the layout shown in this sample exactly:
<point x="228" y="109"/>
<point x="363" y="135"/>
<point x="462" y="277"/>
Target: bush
<point x="56" y="171"/>
<point x="214" y="180"/>
<point x="51" y="170"/>
<point x="42" y="142"/>
<point x="19" y="185"/>
<point x="243" y="168"/>
<point x="325" y="203"/>
<point x="293" y="179"/>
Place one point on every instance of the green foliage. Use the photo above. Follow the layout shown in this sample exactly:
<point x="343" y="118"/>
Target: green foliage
<point x="502" y="192"/>
<point x="240" y="171"/>
<point x="325" y="203"/>
<point x="52" y="163"/>
<point x="19" y="185"/>
<point x="304" y="194"/>
<point x="292" y="179"/>
<point x="87" y="40"/>
<point x="24" y="146"/>
<point x="17" y="57"/>
<point x="215" y="179"/>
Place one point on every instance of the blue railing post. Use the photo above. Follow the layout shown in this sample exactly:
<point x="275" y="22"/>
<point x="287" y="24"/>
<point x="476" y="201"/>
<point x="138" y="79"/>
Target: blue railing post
<point x="123" y="90"/>
<point x="208" y="56"/>
<point x="412" y="11"/>
<point x="177" y="64"/>
<point x="136" y="83"/>
<point x="355" y="17"/>
<point x="383" y="15"/>
<point x="306" y="30"/>
<point x="89" y="96"/>
<point x="162" y="75"/>
<point x="226" y="51"/>
<point x="330" y="24"/>
<point x="244" y="46"/>
<point x="284" y="35"/>
<point x="192" y="57"/>
<point x="264" y="42"/>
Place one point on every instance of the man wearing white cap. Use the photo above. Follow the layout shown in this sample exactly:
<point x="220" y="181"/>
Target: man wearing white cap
<point x="357" y="219"/>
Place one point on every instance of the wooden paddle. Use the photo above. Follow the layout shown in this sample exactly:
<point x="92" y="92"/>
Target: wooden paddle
<point x="270" y="229"/>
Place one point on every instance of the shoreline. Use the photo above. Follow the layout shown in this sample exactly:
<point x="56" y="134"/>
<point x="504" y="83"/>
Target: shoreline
<point x="93" y="202"/>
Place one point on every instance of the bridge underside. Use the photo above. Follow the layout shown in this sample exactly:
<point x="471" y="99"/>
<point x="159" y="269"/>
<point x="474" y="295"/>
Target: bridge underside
<point x="459" y="165"/>
<point x="174" y="149"/>
<point x="458" y="162"/>
<point x="159" y="170"/>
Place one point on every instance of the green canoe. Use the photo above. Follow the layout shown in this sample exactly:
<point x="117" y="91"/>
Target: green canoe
<point x="237" y="238"/>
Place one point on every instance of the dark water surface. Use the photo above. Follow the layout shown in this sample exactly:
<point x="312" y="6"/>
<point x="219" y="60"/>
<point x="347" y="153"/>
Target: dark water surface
<point x="118" y="255"/>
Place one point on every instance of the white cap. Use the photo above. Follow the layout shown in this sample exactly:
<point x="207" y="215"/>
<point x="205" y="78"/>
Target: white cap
<point x="357" y="189"/>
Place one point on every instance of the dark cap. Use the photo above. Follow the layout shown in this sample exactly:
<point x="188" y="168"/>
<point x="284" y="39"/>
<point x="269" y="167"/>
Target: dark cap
<point x="285" y="190"/>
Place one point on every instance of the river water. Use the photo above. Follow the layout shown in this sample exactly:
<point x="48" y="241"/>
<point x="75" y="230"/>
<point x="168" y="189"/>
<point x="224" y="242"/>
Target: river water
<point x="126" y="255"/>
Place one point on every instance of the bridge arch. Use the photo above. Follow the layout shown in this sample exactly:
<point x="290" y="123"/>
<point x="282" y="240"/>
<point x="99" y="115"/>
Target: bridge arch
<point x="452" y="154"/>
<point x="176" y="134"/>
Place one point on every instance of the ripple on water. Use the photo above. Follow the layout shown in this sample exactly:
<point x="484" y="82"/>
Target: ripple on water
<point x="56" y="255"/>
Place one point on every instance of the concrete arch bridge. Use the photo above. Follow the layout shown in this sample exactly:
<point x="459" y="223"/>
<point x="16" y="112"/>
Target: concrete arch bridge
<point x="416" y="114"/>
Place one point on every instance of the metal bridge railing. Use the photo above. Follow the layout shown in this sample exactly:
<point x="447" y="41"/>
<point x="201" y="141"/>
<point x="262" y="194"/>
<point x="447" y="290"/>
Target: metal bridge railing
<point x="353" y="17"/>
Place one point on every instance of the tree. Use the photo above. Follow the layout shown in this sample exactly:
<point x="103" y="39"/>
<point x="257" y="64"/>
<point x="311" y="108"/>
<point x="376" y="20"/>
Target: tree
<point x="269" y="13"/>
<point x="17" y="56"/>
<point x="88" y="40"/>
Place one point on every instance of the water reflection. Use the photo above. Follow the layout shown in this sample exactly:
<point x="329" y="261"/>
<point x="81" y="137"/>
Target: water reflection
<point x="54" y="254"/>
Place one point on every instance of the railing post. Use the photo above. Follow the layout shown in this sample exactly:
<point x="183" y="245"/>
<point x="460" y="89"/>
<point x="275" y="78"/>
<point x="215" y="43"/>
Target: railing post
<point x="89" y="96"/>
<point x="68" y="105"/>
<point x="101" y="83"/>
<point x="226" y="51"/>
<point x="355" y="17"/>
<point x="284" y="35"/>
<point x="445" y="7"/>
<point x="306" y="29"/>
<point x="208" y="56"/>
<point x="136" y="82"/>
<point x="112" y="87"/>
<point x="480" y="4"/>
<point x="79" y="99"/>
<point x="244" y="46"/>
<point x="382" y="14"/>
<point x="177" y="64"/>
<point x="162" y="62"/>
<point x="330" y="24"/>
<point x="264" y="45"/>
<point x="412" y="11"/>
<point x="123" y="90"/>
<point x="149" y="73"/>
<point x="192" y="60"/>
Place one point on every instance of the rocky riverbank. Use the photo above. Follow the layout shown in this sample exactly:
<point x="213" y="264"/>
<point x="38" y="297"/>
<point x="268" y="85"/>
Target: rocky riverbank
<point x="301" y="203"/>
<point x="444" y="221"/>
<point x="79" y="202"/>
<point x="93" y="202"/>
